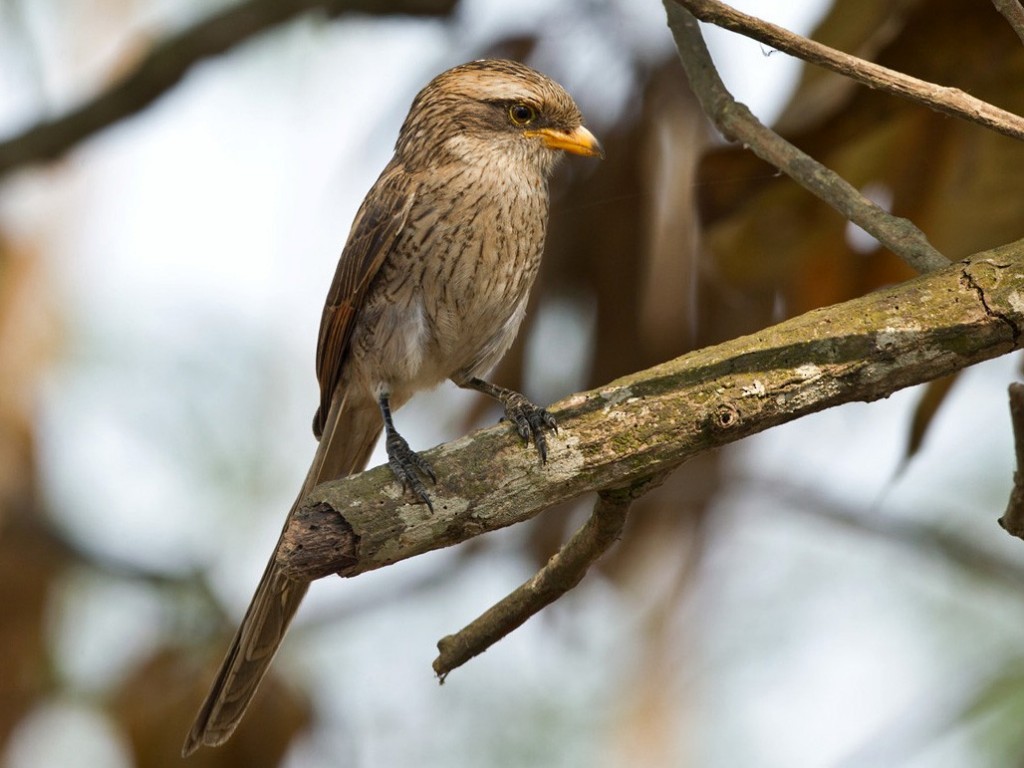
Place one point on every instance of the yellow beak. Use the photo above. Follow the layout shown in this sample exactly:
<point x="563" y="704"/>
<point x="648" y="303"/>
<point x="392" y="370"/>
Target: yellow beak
<point x="579" y="141"/>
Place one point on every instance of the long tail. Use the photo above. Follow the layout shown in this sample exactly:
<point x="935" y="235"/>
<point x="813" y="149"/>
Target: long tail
<point x="349" y="435"/>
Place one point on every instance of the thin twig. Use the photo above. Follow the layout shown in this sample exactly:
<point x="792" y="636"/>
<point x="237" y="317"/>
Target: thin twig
<point x="950" y="101"/>
<point x="562" y="572"/>
<point x="1013" y="12"/>
<point x="168" y="63"/>
<point x="1012" y="520"/>
<point x="735" y="121"/>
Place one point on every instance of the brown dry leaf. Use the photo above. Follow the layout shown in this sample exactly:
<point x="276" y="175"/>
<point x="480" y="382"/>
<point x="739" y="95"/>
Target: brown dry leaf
<point x="862" y="29"/>
<point x="28" y="343"/>
<point x="156" y="704"/>
<point x="31" y="558"/>
<point x="934" y="395"/>
<point x="31" y="562"/>
<point x="770" y="239"/>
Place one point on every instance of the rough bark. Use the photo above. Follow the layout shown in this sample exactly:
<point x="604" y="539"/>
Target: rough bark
<point x="653" y="420"/>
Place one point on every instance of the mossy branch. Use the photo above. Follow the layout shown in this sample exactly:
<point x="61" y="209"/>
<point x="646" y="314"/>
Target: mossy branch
<point x="654" y="420"/>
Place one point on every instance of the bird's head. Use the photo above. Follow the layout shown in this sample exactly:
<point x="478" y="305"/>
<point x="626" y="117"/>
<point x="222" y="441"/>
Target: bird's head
<point x="494" y="111"/>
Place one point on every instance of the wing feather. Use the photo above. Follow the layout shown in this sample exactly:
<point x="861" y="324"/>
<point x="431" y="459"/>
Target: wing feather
<point x="377" y="225"/>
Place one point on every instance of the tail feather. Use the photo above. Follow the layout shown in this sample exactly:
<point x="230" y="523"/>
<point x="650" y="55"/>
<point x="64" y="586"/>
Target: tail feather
<point x="349" y="436"/>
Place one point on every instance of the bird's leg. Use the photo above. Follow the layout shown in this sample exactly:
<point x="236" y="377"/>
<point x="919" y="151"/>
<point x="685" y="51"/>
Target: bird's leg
<point x="530" y="420"/>
<point x="403" y="460"/>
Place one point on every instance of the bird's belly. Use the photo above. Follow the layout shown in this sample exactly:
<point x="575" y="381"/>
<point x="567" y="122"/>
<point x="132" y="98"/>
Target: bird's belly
<point x="472" y="339"/>
<point x="456" y="334"/>
<point x="475" y="316"/>
<point x="391" y="350"/>
<point x="463" y="299"/>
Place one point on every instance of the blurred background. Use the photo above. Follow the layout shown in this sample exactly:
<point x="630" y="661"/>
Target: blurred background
<point x="834" y="592"/>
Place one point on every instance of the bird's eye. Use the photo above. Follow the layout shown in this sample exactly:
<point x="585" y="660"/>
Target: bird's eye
<point x="522" y="114"/>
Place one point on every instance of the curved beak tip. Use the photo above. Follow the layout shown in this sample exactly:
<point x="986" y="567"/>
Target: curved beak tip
<point x="578" y="141"/>
<point x="585" y="143"/>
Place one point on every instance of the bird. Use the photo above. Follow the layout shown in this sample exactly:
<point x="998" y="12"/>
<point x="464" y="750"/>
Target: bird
<point x="431" y="285"/>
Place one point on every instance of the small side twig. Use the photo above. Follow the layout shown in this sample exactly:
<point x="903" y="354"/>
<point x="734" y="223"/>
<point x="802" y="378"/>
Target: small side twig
<point x="562" y="572"/>
<point x="1012" y="520"/>
<point x="1013" y="12"/>
<point x="950" y="101"/>
<point x="735" y="121"/>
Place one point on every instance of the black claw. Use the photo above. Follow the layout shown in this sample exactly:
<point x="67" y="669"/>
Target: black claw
<point x="405" y="463"/>
<point x="530" y="421"/>
<point x="407" y="466"/>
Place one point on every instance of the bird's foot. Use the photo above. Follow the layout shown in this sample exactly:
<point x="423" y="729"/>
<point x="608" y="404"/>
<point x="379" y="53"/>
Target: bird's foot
<point x="407" y="466"/>
<point x="530" y="421"/>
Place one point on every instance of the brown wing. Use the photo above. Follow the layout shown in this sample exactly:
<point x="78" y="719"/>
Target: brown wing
<point x="377" y="224"/>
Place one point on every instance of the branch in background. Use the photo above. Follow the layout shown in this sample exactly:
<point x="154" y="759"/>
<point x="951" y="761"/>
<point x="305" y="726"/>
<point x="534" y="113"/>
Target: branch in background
<point x="654" y="420"/>
<point x="170" y="60"/>
<point x="1013" y="13"/>
<point x="949" y="101"/>
<point x="735" y="121"/>
<point x="562" y="572"/>
<point x="1012" y="520"/>
<point x="934" y="542"/>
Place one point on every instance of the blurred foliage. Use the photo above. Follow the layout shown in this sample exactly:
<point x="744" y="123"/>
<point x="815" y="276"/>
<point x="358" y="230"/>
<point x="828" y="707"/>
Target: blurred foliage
<point x="676" y="241"/>
<point x="768" y="238"/>
<point x="774" y="243"/>
<point x="767" y="249"/>
<point x="31" y="558"/>
<point x="162" y="693"/>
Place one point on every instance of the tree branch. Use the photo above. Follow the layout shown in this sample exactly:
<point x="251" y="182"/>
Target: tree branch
<point x="170" y="60"/>
<point x="1012" y="520"/>
<point x="1013" y="12"/>
<point x="562" y="572"/>
<point x="932" y="541"/>
<point x="735" y="121"/>
<point x="949" y="101"/>
<point x="654" y="420"/>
